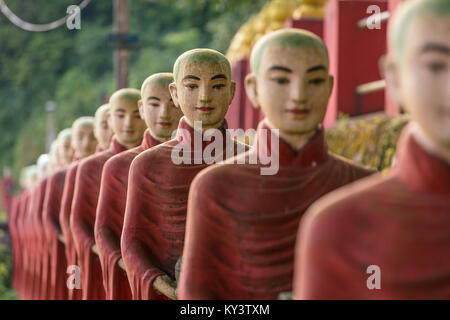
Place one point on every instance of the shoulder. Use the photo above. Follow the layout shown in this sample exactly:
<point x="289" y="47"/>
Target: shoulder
<point x="121" y="162"/>
<point x="342" y="163"/>
<point x="159" y="154"/>
<point x="94" y="162"/>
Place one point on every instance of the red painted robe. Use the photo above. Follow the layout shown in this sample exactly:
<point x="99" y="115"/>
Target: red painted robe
<point x="21" y="236"/>
<point x="14" y="234"/>
<point x="64" y="222"/>
<point x="38" y="240"/>
<point x="109" y="220"/>
<point x="82" y="219"/>
<point x="55" y="265"/>
<point x="154" y="224"/>
<point x="242" y="225"/>
<point x="399" y="223"/>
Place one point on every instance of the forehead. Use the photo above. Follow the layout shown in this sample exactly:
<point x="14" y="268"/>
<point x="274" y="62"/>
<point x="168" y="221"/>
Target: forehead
<point x="427" y="29"/>
<point x="202" y="69"/>
<point x="296" y="58"/>
<point x="83" y="128"/>
<point x="155" y="87"/>
<point x="120" y="103"/>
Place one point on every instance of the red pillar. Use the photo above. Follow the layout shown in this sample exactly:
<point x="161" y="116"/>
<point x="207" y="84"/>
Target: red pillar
<point x="354" y="55"/>
<point x="313" y="25"/>
<point x="235" y="114"/>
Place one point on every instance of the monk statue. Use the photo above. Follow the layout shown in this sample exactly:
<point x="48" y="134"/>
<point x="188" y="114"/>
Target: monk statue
<point x="35" y="229"/>
<point x="128" y="128"/>
<point x="159" y="179"/>
<point x="83" y="140"/>
<point x="157" y="109"/>
<point x="243" y="214"/>
<point x="83" y="143"/>
<point x="386" y="237"/>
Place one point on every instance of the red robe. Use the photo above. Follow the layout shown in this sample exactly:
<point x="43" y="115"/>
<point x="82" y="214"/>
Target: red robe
<point x="55" y="265"/>
<point x="399" y="222"/>
<point x="154" y="224"/>
<point x="109" y="220"/>
<point x="242" y="225"/>
<point x="13" y="231"/>
<point x="21" y="236"/>
<point x="82" y="219"/>
<point x="64" y="222"/>
<point x="36" y="243"/>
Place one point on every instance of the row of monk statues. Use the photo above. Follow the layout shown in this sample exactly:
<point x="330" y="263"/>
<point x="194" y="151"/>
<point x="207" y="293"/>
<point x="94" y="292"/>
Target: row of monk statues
<point x="154" y="198"/>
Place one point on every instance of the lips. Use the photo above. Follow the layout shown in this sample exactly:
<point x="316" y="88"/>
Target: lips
<point x="129" y="131"/>
<point x="164" y="124"/>
<point x="205" y="109"/>
<point x="299" y="111"/>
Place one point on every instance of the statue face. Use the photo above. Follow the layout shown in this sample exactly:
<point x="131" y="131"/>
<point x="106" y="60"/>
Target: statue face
<point x="102" y="131"/>
<point x="65" y="151"/>
<point x="292" y="87"/>
<point x="421" y="83"/>
<point x="158" y="110"/>
<point x="126" y="122"/>
<point x="83" y="141"/>
<point x="203" y="92"/>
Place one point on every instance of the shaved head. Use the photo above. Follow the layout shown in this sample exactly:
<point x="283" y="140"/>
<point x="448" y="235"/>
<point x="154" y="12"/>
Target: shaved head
<point x="101" y="111"/>
<point x="405" y="14"/>
<point x="163" y="79"/>
<point x="285" y="38"/>
<point x="129" y="94"/>
<point x="83" y="122"/>
<point x="64" y="134"/>
<point x="201" y="56"/>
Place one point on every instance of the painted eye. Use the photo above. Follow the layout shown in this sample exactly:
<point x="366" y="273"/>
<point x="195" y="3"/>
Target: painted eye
<point x="154" y="104"/>
<point x="281" y="81"/>
<point x="191" y="86"/>
<point x="218" y="86"/>
<point x="437" y="67"/>
<point x="317" y="81"/>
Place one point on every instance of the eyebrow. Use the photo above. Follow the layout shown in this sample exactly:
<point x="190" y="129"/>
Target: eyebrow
<point x="316" y="68"/>
<point x="219" y="76"/>
<point x="191" y="77"/>
<point x="152" y="97"/>
<point x="436" y="47"/>
<point x="120" y="110"/>
<point x="280" y="68"/>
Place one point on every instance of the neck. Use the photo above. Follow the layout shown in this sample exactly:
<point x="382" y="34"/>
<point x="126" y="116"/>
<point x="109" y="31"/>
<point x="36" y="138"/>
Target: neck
<point x="158" y="138"/>
<point x="430" y="145"/>
<point x="204" y="128"/>
<point x="295" y="140"/>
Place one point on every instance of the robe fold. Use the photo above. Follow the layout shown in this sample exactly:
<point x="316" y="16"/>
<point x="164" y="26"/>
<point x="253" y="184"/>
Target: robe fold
<point x="242" y="225"/>
<point x="399" y="224"/>
<point x="109" y="220"/>
<point x="64" y="222"/>
<point x="37" y="242"/>
<point x="154" y="224"/>
<point x="55" y="264"/>
<point x="21" y="234"/>
<point x="13" y="232"/>
<point x="82" y="220"/>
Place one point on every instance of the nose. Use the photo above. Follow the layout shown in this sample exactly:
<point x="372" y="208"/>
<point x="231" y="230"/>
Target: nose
<point x="128" y="122"/>
<point x="204" y="93"/>
<point x="165" y="111"/>
<point x="298" y="91"/>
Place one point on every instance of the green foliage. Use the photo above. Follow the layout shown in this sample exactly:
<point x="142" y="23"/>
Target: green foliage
<point x="369" y="140"/>
<point x="75" y="67"/>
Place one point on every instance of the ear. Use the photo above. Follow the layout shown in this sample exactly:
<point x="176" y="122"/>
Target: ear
<point x="251" y="90"/>
<point x="141" y="109"/>
<point x="392" y="79"/>
<point x="108" y="119"/>
<point x="233" y="90"/>
<point x="174" y="94"/>
<point x="331" y="84"/>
